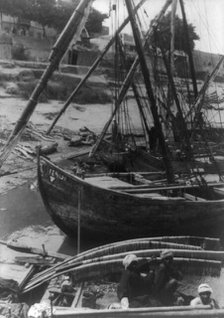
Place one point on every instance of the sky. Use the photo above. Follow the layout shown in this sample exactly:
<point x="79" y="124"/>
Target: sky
<point x="206" y="15"/>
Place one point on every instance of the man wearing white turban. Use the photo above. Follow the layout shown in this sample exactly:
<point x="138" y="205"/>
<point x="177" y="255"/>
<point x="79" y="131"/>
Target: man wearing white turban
<point x="204" y="297"/>
<point x="129" y="259"/>
<point x="134" y="288"/>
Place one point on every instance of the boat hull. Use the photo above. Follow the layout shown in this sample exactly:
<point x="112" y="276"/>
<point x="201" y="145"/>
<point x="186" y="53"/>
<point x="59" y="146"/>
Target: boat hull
<point x="111" y="214"/>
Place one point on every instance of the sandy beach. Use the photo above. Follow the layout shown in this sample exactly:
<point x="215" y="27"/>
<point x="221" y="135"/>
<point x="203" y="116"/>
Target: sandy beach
<point x="21" y="164"/>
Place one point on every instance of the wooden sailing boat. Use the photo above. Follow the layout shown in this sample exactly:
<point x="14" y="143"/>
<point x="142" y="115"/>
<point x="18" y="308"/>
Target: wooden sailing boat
<point x="94" y="275"/>
<point x="131" y="204"/>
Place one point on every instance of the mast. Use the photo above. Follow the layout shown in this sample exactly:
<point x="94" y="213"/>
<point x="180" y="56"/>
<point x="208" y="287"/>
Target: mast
<point x="172" y="31"/>
<point x="55" y="57"/>
<point x="191" y="62"/>
<point x="175" y="97"/>
<point x="92" y="68"/>
<point x="146" y="75"/>
<point x="172" y="48"/>
<point x="127" y="82"/>
<point x="136" y="94"/>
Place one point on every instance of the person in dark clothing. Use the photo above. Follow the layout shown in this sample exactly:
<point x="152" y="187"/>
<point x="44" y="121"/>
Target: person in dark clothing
<point x="153" y="139"/>
<point x="166" y="280"/>
<point x="135" y="288"/>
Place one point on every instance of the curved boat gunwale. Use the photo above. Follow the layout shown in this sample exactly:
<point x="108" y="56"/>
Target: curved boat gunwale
<point x="111" y="264"/>
<point x="84" y="182"/>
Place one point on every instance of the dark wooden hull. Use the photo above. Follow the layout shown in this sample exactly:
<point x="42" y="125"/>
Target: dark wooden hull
<point x="111" y="214"/>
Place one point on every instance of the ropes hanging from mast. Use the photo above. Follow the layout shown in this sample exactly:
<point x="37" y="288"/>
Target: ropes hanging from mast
<point x="128" y="80"/>
<point x="145" y="72"/>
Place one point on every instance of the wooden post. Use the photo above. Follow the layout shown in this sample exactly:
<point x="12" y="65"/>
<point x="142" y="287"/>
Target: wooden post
<point x="79" y="221"/>
<point x="172" y="31"/>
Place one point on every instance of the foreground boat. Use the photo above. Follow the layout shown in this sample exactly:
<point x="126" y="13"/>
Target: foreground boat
<point x="95" y="275"/>
<point x="129" y="205"/>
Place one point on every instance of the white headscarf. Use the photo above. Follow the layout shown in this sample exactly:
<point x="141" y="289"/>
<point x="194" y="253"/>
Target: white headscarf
<point x="129" y="259"/>
<point x="203" y="288"/>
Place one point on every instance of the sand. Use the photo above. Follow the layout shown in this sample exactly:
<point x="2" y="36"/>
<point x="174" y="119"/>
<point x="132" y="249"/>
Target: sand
<point x="19" y="169"/>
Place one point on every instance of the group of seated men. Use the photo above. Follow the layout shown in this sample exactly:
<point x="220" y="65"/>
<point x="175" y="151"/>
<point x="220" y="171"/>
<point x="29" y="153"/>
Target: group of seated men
<point x="141" y="287"/>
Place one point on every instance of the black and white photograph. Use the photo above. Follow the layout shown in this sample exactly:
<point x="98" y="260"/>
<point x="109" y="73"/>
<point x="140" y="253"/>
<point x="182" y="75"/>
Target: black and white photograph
<point x="111" y="158"/>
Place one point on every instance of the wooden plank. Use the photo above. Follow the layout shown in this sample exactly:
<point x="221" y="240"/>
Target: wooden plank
<point x="25" y="279"/>
<point x="153" y="195"/>
<point x="57" y="291"/>
<point x="168" y="187"/>
<point x="193" y="197"/>
<point x="219" y="190"/>
<point x="35" y="260"/>
<point x="159" y="312"/>
<point x="140" y="178"/>
<point x="77" y="302"/>
<point x="108" y="182"/>
<point x="124" y="174"/>
<point x="33" y="250"/>
<point x="57" y="157"/>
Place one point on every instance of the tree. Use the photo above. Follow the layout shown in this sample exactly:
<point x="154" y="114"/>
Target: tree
<point x="14" y="7"/>
<point x="51" y="13"/>
<point x="162" y="34"/>
<point x="41" y="11"/>
<point x="94" y="22"/>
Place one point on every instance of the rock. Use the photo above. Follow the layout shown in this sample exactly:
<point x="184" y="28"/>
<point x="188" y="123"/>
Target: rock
<point x="75" y="142"/>
<point x="26" y="76"/>
<point x="12" y="89"/>
<point x="49" y="149"/>
<point x="84" y="129"/>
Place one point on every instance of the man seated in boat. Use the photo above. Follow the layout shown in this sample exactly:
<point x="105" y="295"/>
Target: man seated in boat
<point x="166" y="281"/>
<point x="135" y="288"/>
<point x="204" y="297"/>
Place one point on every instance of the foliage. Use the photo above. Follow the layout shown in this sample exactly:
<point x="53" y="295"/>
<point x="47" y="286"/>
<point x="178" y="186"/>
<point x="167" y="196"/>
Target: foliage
<point x="51" y="13"/>
<point x="94" y="22"/>
<point x="162" y="35"/>
<point x="41" y="11"/>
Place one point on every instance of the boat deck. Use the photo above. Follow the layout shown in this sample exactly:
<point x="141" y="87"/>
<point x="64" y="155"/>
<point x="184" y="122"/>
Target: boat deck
<point x="145" y="188"/>
<point x="109" y="182"/>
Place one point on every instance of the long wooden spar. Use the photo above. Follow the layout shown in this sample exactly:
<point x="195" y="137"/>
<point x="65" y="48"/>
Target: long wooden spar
<point x="92" y="68"/>
<point x="58" y="51"/>
<point x="149" y="90"/>
<point x="127" y="82"/>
